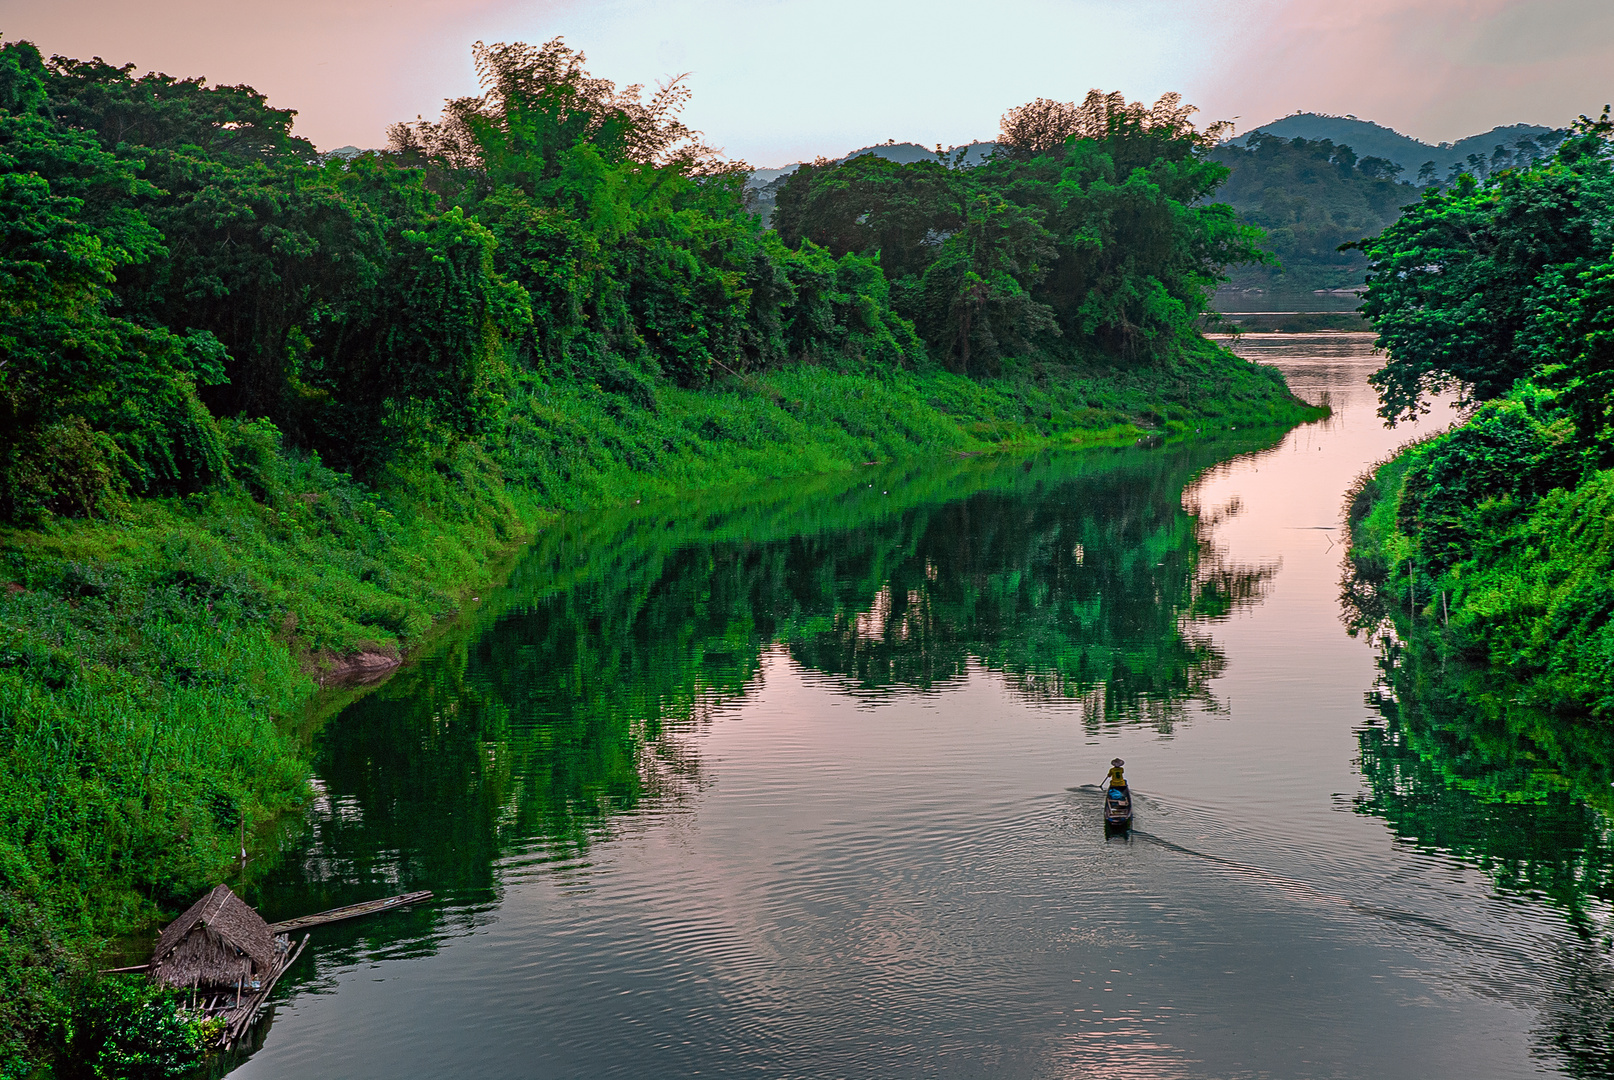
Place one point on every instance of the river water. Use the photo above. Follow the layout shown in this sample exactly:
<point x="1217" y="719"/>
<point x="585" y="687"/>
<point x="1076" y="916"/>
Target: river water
<point x="800" y="782"/>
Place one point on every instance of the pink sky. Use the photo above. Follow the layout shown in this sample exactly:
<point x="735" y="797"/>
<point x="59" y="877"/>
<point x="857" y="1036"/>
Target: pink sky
<point x="780" y="80"/>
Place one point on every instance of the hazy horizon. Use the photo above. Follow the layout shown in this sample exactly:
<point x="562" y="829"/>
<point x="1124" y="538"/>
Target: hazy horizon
<point x="1437" y="71"/>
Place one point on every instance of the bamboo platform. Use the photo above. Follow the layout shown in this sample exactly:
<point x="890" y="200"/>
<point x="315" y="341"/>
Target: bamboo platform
<point x="246" y="1009"/>
<point x="351" y="911"/>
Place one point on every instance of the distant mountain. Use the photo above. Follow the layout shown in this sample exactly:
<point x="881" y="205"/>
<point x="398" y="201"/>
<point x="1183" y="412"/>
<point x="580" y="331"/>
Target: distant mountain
<point x="764" y="177"/>
<point x="907" y="153"/>
<point x="1363" y="136"/>
<point x="1375" y="140"/>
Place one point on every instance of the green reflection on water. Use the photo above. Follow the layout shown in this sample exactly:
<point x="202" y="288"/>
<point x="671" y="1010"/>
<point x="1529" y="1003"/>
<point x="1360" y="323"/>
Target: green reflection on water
<point x="568" y="697"/>
<point x="1522" y="795"/>
<point x="1525" y="797"/>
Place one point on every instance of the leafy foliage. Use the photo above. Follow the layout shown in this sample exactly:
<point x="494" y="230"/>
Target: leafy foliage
<point x="1456" y="281"/>
<point x="260" y="412"/>
<point x="1512" y="586"/>
<point x="90" y="404"/>
<point x="1310" y="198"/>
<point x="1042" y="126"/>
<point x="129" y="1029"/>
<point x="1570" y="338"/>
<point x="159" y="111"/>
<point x="1086" y="235"/>
<point x="539" y="104"/>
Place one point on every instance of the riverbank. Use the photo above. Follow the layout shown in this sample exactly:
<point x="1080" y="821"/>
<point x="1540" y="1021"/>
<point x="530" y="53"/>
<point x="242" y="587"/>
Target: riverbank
<point x="700" y="760"/>
<point x="193" y="629"/>
<point x="1490" y="548"/>
<point x="1496" y="685"/>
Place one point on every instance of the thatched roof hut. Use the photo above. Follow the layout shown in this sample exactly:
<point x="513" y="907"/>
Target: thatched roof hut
<point x="218" y="943"/>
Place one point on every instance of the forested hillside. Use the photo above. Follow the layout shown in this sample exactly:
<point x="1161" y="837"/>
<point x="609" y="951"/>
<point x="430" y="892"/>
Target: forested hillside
<point x="264" y="412"/>
<point x="1492" y="547"/>
<point x="1309" y="198"/>
<point x="1494" y="150"/>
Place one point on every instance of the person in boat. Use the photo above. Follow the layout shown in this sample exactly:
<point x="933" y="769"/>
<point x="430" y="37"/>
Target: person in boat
<point x="1117" y="779"/>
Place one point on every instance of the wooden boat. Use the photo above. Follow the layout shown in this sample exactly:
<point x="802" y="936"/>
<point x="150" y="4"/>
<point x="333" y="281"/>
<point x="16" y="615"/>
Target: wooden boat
<point x="1117" y="807"/>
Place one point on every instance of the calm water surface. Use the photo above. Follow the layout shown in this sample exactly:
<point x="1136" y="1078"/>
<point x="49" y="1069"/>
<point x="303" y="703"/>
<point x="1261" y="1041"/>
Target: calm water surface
<point x="800" y="783"/>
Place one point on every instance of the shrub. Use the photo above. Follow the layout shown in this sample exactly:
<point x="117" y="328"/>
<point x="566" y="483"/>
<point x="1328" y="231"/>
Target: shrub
<point x="127" y="1028"/>
<point x="65" y="472"/>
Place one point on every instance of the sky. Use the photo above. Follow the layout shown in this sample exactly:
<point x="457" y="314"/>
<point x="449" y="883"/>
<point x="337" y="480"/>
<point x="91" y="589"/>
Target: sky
<point x="777" y="81"/>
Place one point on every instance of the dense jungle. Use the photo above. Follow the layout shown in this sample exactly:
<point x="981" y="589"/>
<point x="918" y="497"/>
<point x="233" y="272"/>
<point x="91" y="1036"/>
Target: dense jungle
<point x="265" y="413"/>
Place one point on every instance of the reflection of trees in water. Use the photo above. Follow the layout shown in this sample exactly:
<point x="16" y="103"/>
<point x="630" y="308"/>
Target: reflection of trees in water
<point x="1448" y="787"/>
<point x="1524" y="799"/>
<point x="1087" y="595"/>
<point x="573" y="697"/>
<point x="1578" y="1027"/>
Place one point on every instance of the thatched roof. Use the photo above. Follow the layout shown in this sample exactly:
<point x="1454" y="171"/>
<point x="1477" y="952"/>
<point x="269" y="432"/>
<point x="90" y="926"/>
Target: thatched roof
<point x="217" y="942"/>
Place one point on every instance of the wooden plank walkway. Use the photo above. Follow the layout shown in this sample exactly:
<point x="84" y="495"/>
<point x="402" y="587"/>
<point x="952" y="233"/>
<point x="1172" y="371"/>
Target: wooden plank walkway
<point x="352" y="911"/>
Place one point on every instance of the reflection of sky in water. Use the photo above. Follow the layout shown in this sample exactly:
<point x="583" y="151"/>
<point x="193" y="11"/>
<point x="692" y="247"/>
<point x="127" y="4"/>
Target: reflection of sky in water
<point x="861" y="840"/>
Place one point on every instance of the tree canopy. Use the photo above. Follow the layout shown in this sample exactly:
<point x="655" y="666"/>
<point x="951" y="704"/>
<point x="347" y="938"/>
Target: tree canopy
<point x="173" y="254"/>
<point x="1481" y="284"/>
<point x="1087" y="232"/>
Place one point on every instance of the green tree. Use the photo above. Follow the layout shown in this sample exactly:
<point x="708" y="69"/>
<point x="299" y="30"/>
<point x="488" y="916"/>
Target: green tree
<point x="1570" y="341"/>
<point x="1453" y="281"/>
<point x="90" y="404"/>
<point x="342" y="305"/>
<point x="873" y="206"/>
<point x="633" y="234"/>
<point x="1089" y="233"/>
<point x="120" y="108"/>
<point x="975" y="300"/>
<point x="1138" y="247"/>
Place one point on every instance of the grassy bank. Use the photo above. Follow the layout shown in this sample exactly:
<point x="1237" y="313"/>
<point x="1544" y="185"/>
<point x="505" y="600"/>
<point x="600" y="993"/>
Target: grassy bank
<point x="1491" y="549"/>
<point x="152" y="658"/>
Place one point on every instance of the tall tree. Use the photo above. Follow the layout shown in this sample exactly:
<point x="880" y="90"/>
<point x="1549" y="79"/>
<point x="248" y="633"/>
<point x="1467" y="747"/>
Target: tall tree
<point x="91" y="404"/>
<point x="1454" y="282"/>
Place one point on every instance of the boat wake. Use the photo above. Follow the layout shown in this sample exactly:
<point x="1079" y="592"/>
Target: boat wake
<point x="1408" y="921"/>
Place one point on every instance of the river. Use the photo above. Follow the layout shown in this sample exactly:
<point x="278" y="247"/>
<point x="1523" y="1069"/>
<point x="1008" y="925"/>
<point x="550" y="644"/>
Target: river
<point x="800" y="782"/>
